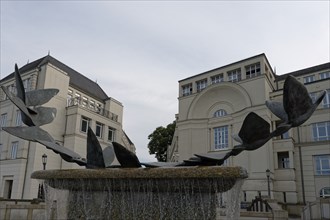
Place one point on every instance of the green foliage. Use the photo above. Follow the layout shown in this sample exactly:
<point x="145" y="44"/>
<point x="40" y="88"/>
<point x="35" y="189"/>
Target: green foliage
<point x="160" y="139"/>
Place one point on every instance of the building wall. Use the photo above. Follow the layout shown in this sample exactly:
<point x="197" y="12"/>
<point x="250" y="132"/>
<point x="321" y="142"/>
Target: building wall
<point x="196" y="122"/>
<point x="65" y="129"/>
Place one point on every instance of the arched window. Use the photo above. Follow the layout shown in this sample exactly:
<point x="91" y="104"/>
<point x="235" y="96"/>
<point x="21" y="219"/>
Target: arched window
<point x="219" y="113"/>
<point x="325" y="192"/>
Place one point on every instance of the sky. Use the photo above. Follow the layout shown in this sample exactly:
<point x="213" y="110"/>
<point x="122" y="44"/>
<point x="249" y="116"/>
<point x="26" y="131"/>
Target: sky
<point x="137" y="51"/>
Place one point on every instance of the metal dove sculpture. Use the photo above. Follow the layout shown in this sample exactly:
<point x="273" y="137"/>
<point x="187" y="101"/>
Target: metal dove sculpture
<point x="297" y="106"/>
<point x="38" y="115"/>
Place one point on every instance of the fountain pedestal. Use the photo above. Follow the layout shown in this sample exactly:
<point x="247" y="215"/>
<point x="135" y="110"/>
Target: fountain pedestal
<point x="138" y="193"/>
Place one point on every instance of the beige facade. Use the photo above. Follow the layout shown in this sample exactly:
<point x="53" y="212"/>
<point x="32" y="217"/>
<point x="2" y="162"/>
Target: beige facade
<point x="79" y="102"/>
<point x="213" y="105"/>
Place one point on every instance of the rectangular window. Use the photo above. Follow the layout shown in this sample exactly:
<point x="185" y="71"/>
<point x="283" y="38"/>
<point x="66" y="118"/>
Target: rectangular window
<point x="283" y="160"/>
<point x="325" y="75"/>
<point x="3" y="120"/>
<point x="14" y="147"/>
<point x="200" y="85"/>
<point x="234" y="75"/>
<point x="309" y="79"/>
<point x="221" y="137"/>
<point x="252" y="70"/>
<point x="18" y="118"/>
<point x="99" y="130"/>
<point x="326" y="99"/>
<point x="111" y="134"/>
<point x="217" y="78"/>
<point x="187" y="89"/>
<point x="313" y="96"/>
<point x="322" y="164"/>
<point x="8" y="189"/>
<point x="84" y="124"/>
<point x="321" y="131"/>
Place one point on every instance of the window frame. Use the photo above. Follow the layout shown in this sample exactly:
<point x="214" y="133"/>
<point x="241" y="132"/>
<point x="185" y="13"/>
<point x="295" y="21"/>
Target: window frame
<point x="253" y="67"/>
<point x="322" y="164"/>
<point x="99" y="132"/>
<point x="113" y="133"/>
<point x="316" y="130"/>
<point x="3" y="120"/>
<point x="309" y="79"/>
<point x="220" y="138"/>
<point x="187" y="89"/>
<point x="82" y="120"/>
<point x="234" y="75"/>
<point x="14" y="149"/>
<point x="201" y="85"/>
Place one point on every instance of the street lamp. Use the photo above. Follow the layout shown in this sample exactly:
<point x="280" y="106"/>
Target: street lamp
<point x="268" y="177"/>
<point x="44" y="160"/>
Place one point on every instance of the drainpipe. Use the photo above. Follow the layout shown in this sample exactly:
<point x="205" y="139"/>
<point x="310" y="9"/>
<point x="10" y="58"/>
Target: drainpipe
<point x="301" y="169"/>
<point x="25" y="172"/>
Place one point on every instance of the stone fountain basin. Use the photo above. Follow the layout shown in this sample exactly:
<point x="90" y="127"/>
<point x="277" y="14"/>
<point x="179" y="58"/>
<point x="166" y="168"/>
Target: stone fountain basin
<point x="198" y="178"/>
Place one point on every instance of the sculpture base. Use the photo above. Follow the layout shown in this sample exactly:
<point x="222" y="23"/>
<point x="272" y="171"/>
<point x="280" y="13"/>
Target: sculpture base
<point x="137" y="193"/>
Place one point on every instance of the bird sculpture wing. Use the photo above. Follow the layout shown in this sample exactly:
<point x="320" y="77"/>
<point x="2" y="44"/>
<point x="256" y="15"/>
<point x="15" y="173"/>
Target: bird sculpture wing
<point x="94" y="151"/>
<point x="277" y="109"/>
<point x="296" y="100"/>
<point x="40" y="96"/>
<point x="125" y="157"/>
<point x="254" y="128"/>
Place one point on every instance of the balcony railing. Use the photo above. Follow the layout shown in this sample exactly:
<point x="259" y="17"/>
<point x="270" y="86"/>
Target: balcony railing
<point x="94" y="108"/>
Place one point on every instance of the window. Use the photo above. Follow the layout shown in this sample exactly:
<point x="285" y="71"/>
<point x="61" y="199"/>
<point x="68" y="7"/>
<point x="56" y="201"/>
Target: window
<point x="322" y="164"/>
<point x="7" y="189"/>
<point x="283" y="160"/>
<point x="18" y="118"/>
<point x="313" y="96"/>
<point x="187" y="89"/>
<point x="217" y="78"/>
<point x="111" y="134"/>
<point x="326" y="99"/>
<point x="221" y="137"/>
<point x="253" y="70"/>
<point x="84" y="124"/>
<point x="3" y="120"/>
<point x="201" y="85"/>
<point x="325" y="192"/>
<point x="14" y="147"/>
<point x="325" y="75"/>
<point x="99" y="130"/>
<point x="309" y="79"/>
<point x="321" y="131"/>
<point x="234" y="75"/>
<point x="220" y="113"/>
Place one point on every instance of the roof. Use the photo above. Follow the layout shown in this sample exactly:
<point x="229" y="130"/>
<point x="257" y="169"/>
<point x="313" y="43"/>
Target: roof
<point x="259" y="55"/>
<point x="77" y="80"/>
<point x="308" y="70"/>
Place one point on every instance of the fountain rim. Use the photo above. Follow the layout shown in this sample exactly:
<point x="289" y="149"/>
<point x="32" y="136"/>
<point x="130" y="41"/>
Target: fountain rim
<point x="200" y="172"/>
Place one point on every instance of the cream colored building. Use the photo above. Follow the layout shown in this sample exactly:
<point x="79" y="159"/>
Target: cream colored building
<point x="79" y="102"/>
<point x="213" y="105"/>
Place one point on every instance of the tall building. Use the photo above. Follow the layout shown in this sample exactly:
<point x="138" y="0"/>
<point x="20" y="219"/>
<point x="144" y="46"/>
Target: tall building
<point x="213" y="105"/>
<point x="79" y="103"/>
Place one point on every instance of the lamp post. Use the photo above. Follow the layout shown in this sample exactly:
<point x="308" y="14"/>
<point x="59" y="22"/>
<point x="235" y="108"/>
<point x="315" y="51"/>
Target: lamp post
<point x="44" y="160"/>
<point x="268" y="183"/>
<point x="41" y="194"/>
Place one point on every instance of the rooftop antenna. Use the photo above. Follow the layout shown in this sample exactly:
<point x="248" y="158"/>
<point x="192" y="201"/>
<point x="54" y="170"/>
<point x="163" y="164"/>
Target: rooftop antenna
<point x="275" y="70"/>
<point x="48" y="52"/>
<point x="27" y="61"/>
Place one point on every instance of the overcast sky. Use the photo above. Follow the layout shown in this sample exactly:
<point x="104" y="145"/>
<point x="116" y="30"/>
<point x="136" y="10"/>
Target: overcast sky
<point x="137" y="51"/>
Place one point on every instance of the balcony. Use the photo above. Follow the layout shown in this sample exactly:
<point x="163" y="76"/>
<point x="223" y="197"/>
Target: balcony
<point x="94" y="108"/>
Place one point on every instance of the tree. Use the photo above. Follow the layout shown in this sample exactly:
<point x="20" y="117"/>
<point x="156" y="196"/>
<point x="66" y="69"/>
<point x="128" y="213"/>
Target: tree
<point x="159" y="141"/>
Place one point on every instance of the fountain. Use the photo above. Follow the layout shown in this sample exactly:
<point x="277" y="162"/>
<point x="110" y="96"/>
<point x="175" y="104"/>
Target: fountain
<point x="182" y="190"/>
